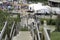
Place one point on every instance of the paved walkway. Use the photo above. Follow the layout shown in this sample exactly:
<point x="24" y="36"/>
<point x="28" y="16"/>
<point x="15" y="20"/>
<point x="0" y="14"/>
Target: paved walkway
<point x="23" y="35"/>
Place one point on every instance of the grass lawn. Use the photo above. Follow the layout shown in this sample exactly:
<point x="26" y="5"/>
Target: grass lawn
<point x="55" y="36"/>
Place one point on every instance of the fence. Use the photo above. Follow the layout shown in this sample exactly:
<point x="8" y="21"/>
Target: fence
<point x="35" y="32"/>
<point x="10" y="35"/>
<point x="46" y="35"/>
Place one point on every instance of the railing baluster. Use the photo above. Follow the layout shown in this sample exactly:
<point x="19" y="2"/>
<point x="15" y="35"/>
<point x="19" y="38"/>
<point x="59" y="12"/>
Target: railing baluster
<point x="37" y="32"/>
<point x="46" y="34"/>
<point x="6" y="38"/>
<point x="13" y="33"/>
<point x="2" y="32"/>
<point x="35" y="37"/>
<point x="12" y="29"/>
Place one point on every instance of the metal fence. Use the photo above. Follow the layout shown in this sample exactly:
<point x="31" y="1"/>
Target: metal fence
<point x="11" y="34"/>
<point x="35" y="32"/>
<point x="46" y="35"/>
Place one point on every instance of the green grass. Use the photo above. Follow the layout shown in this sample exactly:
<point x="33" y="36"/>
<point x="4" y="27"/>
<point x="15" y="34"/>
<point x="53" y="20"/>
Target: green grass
<point x="55" y="36"/>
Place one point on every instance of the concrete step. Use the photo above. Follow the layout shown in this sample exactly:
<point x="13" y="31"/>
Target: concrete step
<point x="23" y="35"/>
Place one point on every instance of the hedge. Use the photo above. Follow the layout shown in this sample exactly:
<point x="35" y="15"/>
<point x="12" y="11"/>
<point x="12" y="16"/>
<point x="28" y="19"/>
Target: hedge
<point x="49" y="21"/>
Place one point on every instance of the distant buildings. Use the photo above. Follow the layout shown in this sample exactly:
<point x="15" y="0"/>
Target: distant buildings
<point x="5" y="0"/>
<point x="55" y="6"/>
<point x="9" y="0"/>
<point x="39" y="8"/>
<point x="54" y="3"/>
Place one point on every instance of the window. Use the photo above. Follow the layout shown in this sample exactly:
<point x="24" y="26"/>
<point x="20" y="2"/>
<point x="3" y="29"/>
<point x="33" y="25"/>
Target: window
<point x="54" y="4"/>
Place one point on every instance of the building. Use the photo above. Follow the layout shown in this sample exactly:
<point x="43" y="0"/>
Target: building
<point x="39" y="8"/>
<point x="5" y="0"/>
<point x="55" y="6"/>
<point x="54" y="3"/>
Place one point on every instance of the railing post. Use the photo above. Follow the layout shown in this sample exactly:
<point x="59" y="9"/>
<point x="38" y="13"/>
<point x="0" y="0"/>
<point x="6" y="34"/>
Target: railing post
<point x="2" y="32"/>
<point x="12" y="30"/>
<point x="46" y="35"/>
<point x="13" y="33"/>
<point x="32" y="31"/>
<point x="6" y="37"/>
<point x="38" y="32"/>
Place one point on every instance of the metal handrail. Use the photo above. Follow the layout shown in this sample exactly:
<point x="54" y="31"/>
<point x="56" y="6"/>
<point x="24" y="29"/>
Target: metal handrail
<point x="2" y="32"/>
<point x="38" y="32"/>
<point x="11" y="34"/>
<point x="12" y="29"/>
<point x="46" y="35"/>
<point x="33" y="33"/>
<point x="6" y="37"/>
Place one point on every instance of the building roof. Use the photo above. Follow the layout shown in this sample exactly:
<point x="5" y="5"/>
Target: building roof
<point x="36" y="6"/>
<point x="39" y="7"/>
<point x="55" y="0"/>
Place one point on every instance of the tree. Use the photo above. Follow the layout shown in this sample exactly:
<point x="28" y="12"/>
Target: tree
<point x="3" y="18"/>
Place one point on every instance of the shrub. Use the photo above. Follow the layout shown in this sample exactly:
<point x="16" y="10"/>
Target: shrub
<point x="49" y="21"/>
<point x="58" y="23"/>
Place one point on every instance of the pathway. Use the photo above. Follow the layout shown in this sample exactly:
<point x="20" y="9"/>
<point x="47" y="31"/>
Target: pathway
<point x="23" y="35"/>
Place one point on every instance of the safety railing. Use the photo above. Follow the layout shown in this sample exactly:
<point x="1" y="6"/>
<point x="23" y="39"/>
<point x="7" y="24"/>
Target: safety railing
<point x="35" y="32"/>
<point x="13" y="29"/>
<point x="46" y="35"/>
<point x="2" y="32"/>
<point x="10" y="35"/>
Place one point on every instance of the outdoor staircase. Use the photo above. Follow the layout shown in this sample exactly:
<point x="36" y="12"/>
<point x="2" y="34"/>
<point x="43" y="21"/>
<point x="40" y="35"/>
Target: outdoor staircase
<point x="23" y="35"/>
